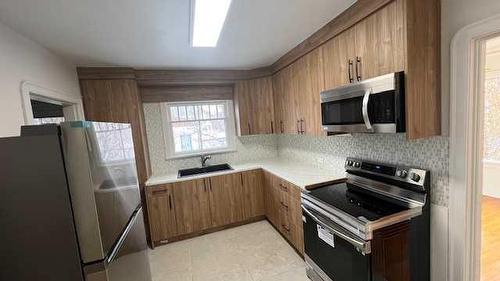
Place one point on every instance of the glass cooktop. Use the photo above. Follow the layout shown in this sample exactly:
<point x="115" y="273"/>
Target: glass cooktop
<point x="359" y="204"/>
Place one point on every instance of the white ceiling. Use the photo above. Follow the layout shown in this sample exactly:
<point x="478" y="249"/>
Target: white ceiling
<point x="155" y="33"/>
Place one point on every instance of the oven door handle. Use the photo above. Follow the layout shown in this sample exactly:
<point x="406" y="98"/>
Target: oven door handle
<point x="366" y="118"/>
<point x="364" y="247"/>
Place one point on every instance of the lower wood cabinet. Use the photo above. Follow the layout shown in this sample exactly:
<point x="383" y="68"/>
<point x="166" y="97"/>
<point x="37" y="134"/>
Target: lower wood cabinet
<point x="283" y="209"/>
<point x="177" y="210"/>
<point x="161" y="212"/>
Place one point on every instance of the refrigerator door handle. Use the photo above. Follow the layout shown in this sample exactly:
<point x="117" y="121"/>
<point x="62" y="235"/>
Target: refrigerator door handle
<point x="123" y="236"/>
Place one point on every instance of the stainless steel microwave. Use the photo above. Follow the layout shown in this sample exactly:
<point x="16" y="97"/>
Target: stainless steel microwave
<point x="376" y="105"/>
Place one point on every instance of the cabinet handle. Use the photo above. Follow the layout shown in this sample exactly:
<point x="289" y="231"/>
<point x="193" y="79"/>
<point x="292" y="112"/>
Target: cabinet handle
<point x="249" y="129"/>
<point x="283" y="187"/>
<point x="302" y="126"/>
<point x="210" y="184"/>
<point x="349" y="71"/>
<point x="170" y="201"/>
<point x="287" y="229"/>
<point x="298" y="127"/>
<point x="156" y="192"/>
<point x="358" y="68"/>
<point x="205" y="185"/>
<point x="241" y="177"/>
<point x="282" y="127"/>
<point x="272" y="127"/>
<point x="284" y="205"/>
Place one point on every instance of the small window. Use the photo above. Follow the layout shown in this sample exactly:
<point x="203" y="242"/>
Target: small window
<point x="46" y="112"/>
<point x="114" y="143"/>
<point x="194" y="128"/>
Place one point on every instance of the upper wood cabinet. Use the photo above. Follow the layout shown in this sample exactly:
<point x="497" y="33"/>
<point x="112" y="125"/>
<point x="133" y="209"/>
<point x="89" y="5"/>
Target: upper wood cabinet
<point x="118" y="100"/>
<point x="373" y="47"/>
<point x="297" y="101"/>
<point x="400" y="36"/>
<point x="254" y="106"/>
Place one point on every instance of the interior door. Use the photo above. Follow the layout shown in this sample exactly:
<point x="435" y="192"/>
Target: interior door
<point x="226" y="199"/>
<point x="191" y="205"/>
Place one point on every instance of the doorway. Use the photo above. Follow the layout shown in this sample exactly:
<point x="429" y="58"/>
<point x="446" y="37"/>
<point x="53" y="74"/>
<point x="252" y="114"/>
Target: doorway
<point x="45" y="106"/>
<point x="490" y="202"/>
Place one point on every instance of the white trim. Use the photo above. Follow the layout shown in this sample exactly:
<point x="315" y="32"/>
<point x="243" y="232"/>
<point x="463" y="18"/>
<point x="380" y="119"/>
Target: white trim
<point x="465" y="149"/>
<point x="30" y="90"/>
<point x="167" y="131"/>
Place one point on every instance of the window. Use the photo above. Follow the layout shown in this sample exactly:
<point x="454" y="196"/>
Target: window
<point x="114" y="142"/>
<point x="194" y="128"/>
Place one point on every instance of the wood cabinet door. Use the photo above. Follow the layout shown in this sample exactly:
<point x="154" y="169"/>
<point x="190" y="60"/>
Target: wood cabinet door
<point x="253" y="194"/>
<point x="295" y="220"/>
<point x="226" y="200"/>
<point x="191" y="206"/>
<point x="307" y="83"/>
<point x="272" y="197"/>
<point x="338" y="60"/>
<point x="285" y="97"/>
<point x="380" y="42"/>
<point x="119" y="101"/>
<point x="161" y="212"/>
<point x="254" y="103"/>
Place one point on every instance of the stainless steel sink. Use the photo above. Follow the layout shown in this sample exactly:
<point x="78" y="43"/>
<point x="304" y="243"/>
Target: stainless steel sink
<point x="203" y="170"/>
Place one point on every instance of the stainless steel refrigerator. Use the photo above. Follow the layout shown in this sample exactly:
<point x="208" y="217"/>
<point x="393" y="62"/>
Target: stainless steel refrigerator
<point x="70" y="206"/>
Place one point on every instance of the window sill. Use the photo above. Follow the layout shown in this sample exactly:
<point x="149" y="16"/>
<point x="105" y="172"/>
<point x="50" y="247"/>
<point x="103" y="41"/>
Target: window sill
<point x="199" y="154"/>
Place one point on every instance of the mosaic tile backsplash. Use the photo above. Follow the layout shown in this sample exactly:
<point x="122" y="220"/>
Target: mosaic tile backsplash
<point x="330" y="153"/>
<point x="325" y="152"/>
<point x="248" y="148"/>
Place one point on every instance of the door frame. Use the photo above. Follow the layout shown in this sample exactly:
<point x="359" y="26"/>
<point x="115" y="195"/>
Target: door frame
<point x="72" y="106"/>
<point x="465" y="166"/>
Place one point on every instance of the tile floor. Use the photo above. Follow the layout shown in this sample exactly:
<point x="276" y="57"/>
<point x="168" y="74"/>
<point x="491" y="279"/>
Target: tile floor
<point x="253" y="252"/>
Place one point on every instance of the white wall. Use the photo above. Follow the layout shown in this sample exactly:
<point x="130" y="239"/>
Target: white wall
<point x="456" y="14"/>
<point x="24" y="60"/>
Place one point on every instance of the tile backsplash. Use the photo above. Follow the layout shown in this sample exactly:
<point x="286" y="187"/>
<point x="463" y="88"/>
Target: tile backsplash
<point x="248" y="148"/>
<point x="331" y="152"/>
<point x="325" y="152"/>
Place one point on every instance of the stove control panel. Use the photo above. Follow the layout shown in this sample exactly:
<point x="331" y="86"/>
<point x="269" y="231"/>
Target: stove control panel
<point x="410" y="175"/>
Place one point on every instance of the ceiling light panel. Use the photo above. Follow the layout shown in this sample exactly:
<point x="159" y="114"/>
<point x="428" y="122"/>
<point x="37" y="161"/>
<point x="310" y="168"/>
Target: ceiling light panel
<point x="209" y="17"/>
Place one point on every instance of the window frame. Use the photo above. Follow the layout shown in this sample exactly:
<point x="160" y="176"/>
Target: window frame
<point x="168" y="131"/>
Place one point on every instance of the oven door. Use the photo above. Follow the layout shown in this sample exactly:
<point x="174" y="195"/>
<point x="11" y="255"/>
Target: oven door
<point x="333" y="253"/>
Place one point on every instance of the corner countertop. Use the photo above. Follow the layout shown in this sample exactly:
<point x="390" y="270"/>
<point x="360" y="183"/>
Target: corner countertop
<point x="303" y="175"/>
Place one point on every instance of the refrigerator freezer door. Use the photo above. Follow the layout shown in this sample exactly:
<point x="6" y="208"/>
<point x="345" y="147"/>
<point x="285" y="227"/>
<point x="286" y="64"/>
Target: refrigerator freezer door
<point x="37" y="233"/>
<point x="130" y="261"/>
<point x="103" y="181"/>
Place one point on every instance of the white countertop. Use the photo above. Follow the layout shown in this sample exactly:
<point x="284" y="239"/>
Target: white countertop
<point x="300" y="174"/>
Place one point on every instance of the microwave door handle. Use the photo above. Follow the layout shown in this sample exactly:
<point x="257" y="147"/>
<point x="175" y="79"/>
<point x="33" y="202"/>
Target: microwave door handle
<point x="366" y="118"/>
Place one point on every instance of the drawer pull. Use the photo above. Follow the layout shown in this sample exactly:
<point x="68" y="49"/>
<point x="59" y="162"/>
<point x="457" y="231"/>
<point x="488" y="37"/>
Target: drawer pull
<point x="283" y="187"/>
<point x="287" y="229"/>
<point x="156" y="192"/>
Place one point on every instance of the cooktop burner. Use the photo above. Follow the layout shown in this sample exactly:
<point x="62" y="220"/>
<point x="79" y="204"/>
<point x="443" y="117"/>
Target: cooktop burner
<point x="348" y="198"/>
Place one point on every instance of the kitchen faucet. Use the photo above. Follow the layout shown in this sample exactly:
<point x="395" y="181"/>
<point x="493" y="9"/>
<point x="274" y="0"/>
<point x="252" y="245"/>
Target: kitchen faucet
<point x="204" y="159"/>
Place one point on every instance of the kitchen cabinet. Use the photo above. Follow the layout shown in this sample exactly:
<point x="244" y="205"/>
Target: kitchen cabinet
<point x="338" y="60"/>
<point x="161" y="213"/>
<point x="379" y="42"/>
<point x="253" y="193"/>
<point x="254" y="106"/>
<point x="296" y="96"/>
<point x="283" y="209"/>
<point x="225" y="199"/>
<point x="191" y="205"/>
<point x="118" y="100"/>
